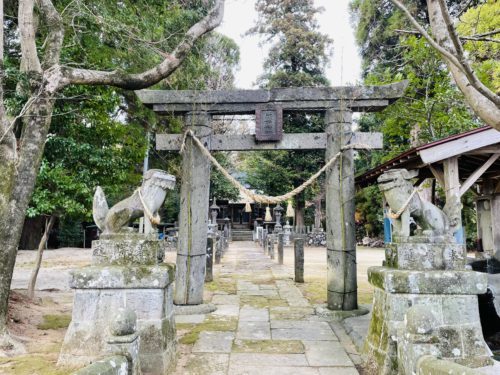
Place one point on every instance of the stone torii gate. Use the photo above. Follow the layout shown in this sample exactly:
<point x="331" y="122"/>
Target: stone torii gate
<point x="337" y="103"/>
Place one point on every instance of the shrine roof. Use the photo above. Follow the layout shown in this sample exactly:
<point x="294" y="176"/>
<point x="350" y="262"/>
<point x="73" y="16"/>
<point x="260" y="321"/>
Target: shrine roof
<point x="473" y="148"/>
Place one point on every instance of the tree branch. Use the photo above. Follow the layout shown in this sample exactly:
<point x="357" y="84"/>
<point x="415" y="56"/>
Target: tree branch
<point x="483" y="101"/>
<point x="489" y="33"/>
<point x="447" y="55"/>
<point x="29" y="55"/>
<point x="475" y="38"/>
<point x="55" y="37"/>
<point x="479" y="39"/>
<point x="459" y="51"/>
<point x="153" y="75"/>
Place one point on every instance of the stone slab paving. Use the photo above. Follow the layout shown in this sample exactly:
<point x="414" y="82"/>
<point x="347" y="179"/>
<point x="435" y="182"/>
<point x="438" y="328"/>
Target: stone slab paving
<point x="262" y="325"/>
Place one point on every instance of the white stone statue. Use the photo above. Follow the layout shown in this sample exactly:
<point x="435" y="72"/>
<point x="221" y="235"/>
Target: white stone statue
<point x="145" y="201"/>
<point x="405" y="203"/>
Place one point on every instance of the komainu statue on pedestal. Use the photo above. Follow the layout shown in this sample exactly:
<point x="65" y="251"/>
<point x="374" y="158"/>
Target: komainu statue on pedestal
<point x="145" y="201"/>
<point x="404" y="202"/>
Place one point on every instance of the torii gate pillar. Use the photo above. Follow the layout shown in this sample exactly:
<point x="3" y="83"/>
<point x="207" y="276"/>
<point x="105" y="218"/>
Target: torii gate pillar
<point x="193" y="220"/>
<point x="340" y="230"/>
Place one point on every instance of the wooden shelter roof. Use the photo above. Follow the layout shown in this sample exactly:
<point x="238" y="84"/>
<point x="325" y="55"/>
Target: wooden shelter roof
<point x="474" y="149"/>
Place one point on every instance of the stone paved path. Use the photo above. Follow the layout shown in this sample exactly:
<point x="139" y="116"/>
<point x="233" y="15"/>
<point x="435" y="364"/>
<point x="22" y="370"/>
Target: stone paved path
<point x="263" y="325"/>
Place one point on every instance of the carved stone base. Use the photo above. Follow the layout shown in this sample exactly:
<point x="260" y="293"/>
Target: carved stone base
<point x="448" y="297"/>
<point x="425" y="253"/>
<point x="101" y="290"/>
<point x="123" y="249"/>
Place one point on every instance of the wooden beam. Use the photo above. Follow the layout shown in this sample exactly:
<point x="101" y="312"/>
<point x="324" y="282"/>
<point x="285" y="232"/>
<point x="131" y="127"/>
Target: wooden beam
<point x="247" y="142"/>
<point x="460" y="146"/>
<point x="477" y="173"/>
<point x="437" y="174"/>
<point x="493" y="149"/>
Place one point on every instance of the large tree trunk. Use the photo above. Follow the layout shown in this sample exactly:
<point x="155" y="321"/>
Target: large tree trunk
<point x="49" y="222"/>
<point x="18" y="184"/>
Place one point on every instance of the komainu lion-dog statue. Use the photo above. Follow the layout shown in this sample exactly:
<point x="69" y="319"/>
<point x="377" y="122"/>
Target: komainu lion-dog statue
<point x="145" y="201"/>
<point x="404" y="203"/>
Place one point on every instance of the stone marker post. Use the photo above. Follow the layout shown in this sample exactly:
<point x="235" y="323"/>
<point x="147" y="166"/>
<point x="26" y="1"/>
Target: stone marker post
<point x="193" y="221"/>
<point x="209" y="276"/>
<point x="218" y="249"/>
<point x="280" y="247"/>
<point x="271" y="246"/>
<point x="298" y="245"/>
<point x="340" y="235"/>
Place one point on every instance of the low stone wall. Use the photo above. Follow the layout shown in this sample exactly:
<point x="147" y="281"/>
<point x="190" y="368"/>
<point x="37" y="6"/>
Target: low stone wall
<point x="115" y="365"/>
<point x="430" y="365"/>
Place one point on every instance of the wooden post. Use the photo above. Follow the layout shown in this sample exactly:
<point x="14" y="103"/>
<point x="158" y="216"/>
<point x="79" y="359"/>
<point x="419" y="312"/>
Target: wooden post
<point x="193" y="219"/>
<point x="298" y="247"/>
<point x="280" y="248"/>
<point x="452" y="193"/>
<point x="209" y="275"/>
<point x="340" y="231"/>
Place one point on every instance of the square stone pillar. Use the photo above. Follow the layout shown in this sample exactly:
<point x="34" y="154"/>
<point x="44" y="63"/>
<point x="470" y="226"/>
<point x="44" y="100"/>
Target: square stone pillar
<point x="340" y="230"/>
<point x="424" y="303"/>
<point x="127" y="272"/>
<point x="193" y="220"/>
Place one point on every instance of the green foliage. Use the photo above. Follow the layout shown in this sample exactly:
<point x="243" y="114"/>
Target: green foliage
<point x="70" y="233"/>
<point x="220" y="187"/>
<point x="369" y="218"/>
<point x="486" y="55"/>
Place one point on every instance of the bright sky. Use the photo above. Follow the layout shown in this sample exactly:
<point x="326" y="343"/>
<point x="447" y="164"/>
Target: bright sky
<point x="345" y="62"/>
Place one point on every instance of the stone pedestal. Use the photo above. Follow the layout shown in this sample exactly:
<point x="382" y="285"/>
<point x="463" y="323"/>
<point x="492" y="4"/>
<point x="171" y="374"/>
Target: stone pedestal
<point x="125" y="273"/>
<point x="422" y="310"/>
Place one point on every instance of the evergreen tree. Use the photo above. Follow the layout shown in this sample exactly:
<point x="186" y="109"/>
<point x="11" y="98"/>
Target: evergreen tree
<point x="297" y="57"/>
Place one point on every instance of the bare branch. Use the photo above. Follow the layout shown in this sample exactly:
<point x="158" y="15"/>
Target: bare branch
<point x="479" y="39"/>
<point x="475" y="38"/>
<point x="155" y="74"/>
<point x="489" y="33"/>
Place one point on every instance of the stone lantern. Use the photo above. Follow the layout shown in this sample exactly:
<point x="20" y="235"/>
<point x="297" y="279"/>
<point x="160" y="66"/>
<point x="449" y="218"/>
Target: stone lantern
<point x="278" y="212"/>
<point x="214" y="211"/>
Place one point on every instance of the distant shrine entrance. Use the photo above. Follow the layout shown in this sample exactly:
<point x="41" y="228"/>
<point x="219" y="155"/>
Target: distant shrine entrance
<point x="336" y="103"/>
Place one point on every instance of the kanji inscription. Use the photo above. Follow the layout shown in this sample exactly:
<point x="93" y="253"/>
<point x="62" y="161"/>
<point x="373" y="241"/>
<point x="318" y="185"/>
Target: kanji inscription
<point x="269" y="123"/>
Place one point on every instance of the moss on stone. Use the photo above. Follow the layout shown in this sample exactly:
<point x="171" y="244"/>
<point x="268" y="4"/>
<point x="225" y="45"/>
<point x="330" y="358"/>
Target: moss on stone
<point x="222" y="285"/>
<point x="54" y="322"/>
<point x="262" y="302"/>
<point x="210" y="324"/>
<point x="137" y="272"/>
<point x="268" y="346"/>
